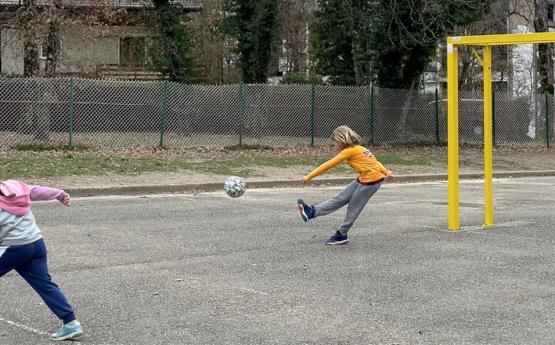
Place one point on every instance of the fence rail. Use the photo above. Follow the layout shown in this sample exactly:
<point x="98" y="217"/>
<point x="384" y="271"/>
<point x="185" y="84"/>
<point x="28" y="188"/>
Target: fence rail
<point x="126" y="114"/>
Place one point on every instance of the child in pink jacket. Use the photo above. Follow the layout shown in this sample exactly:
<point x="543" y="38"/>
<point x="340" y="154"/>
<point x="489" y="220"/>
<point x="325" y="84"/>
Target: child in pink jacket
<point x="22" y="249"/>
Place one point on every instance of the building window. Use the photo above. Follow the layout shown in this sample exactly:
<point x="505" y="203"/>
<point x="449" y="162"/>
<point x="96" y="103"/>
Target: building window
<point x="43" y="51"/>
<point x="132" y="51"/>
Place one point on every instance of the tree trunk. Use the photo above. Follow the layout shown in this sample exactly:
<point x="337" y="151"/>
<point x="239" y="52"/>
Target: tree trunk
<point x="27" y="20"/>
<point x="545" y="64"/>
<point x="42" y="119"/>
<point x="402" y="124"/>
<point x="51" y="50"/>
<point x="53" y="40"/>
<point x="30" y="61"/>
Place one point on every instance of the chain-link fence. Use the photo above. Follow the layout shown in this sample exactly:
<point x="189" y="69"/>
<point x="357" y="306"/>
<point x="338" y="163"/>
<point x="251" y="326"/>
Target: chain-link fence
<point x="124" y="114"/>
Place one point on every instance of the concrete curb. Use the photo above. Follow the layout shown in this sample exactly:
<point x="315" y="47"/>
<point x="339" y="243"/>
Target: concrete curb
<point x="208" y="187"/>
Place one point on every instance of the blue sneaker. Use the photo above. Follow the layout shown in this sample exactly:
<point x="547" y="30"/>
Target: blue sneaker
<point x="337" y="238"/>
<point x="307" y="212"/>
<point x="67" y="332"/>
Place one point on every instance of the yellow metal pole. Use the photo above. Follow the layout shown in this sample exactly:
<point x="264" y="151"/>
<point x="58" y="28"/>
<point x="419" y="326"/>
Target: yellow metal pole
<point x="477" y="56"/>
<point x="488" y="140"/>
<point x="503" y="39"/>
<point x="453" y="135"/>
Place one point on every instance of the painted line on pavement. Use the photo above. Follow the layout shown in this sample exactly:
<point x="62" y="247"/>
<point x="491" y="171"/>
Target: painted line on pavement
<point x="254" y="291"/>
<point x="30" y="329"/>
<point x="27" y="328"/>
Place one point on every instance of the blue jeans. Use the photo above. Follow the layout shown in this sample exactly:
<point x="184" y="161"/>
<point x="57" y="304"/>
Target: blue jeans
<point x="30" y="261"/>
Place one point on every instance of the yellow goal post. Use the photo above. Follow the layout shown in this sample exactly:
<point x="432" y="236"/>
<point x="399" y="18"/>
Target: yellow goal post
<point x="486" y="42"/>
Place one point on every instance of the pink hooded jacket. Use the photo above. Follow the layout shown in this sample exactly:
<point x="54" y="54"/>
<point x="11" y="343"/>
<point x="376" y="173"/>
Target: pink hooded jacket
<point x="16" y="196"/>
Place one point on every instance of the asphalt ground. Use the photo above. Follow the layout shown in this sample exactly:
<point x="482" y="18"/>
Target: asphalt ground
<point x="208" y="269"/>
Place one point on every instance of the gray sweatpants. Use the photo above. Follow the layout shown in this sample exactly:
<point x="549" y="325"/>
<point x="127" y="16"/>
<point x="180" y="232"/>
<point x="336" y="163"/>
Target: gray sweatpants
<point x="356" y="195"/>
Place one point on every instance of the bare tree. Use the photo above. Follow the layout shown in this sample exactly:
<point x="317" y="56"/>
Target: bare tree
<point x="533" y="14"/>
<point x="545" y="51"/>
<point x="54" y="16"/>
<point x="433" y="18"/>
<point x="27" y="19"/>
<point x="213" y="49"/>
<point x="470" y="76"/>
<point x="296" y="15"/>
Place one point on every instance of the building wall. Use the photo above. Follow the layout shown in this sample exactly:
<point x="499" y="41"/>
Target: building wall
<point x="81" y="48"/>
<point x="11" y="50"/>
<point x="85" y="46"/>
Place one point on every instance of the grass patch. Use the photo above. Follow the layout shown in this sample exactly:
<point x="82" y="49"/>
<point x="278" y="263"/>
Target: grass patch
<point x="38" y="165"/>
<point x="503" y="164"/>
<point x="395" y="159"/>
<point x="278" y="161"/>
<point x="420" y="143"/>
<point x="45" y="147"/>
<point x="247" y="147"/>
<point x="466" y="162"/>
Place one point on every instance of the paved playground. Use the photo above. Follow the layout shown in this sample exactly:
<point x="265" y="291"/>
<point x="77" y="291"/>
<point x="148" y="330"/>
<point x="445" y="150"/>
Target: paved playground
<point x="208" y="269"/>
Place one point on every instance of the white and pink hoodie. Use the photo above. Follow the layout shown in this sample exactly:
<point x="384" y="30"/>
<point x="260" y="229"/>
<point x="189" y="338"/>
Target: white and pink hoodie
<point x="17" y="223"/>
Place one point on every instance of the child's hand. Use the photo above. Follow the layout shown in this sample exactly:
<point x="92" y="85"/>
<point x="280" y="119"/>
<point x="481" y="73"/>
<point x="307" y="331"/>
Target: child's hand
<point x="67" y="200"/>
<point x="303" y="181"/>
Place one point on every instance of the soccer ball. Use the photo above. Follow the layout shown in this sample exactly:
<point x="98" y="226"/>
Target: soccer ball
<point x="234" y="186"/>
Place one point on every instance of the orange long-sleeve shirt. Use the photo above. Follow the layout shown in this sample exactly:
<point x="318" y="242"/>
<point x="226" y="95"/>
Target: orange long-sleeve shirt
<point x="369" y="169"/>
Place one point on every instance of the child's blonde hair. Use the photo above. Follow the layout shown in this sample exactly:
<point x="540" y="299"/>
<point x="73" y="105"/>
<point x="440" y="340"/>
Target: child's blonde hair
<point x="345" y="136"/>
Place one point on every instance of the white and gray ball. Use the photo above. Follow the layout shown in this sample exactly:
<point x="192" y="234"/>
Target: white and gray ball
<point x="235" y="186"/>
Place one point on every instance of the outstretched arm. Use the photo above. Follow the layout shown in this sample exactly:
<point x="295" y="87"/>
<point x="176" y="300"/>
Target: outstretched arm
<point x="38" y="193"/>
<point x="340" y="157"/>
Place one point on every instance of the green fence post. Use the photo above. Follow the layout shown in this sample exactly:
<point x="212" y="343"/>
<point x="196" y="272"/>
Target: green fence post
<point x="547" y="120"/>
<point x="437" y="117"/>
<point x="163" y="114"/>
<point x="493" y="117"/>
<point x="312" y="114"/>
<point x="371" y="115"/>
<point x="241" y="111"/>
<point x="70" y="113"/>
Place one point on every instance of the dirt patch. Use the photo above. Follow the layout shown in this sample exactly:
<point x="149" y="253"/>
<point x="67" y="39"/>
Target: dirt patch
<point x="471" y="160"/>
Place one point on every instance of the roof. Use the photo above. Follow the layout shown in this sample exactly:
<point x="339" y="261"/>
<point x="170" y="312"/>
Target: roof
<point x="186" y="4"/>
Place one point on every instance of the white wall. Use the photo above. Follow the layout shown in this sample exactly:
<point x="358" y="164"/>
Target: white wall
<point x="81" y="48"/>
<point x="11" y="48"/>
<point x="85" y="47"/>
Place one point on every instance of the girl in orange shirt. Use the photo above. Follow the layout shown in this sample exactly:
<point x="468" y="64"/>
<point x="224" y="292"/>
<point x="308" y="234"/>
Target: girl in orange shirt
<point x="370" y="171"/>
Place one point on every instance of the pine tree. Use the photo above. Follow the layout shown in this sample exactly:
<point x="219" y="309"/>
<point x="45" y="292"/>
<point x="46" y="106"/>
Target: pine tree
<point x="332" y="41"/>
<point x="169" y="52"/>
<point x="389" y="41"/>
<point x="27" y="18"/>
<point x="254" y="23"/>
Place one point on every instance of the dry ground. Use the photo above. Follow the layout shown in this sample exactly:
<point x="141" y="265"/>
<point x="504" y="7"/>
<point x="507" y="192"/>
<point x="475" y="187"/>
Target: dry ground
<point x="434" y="158"/>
